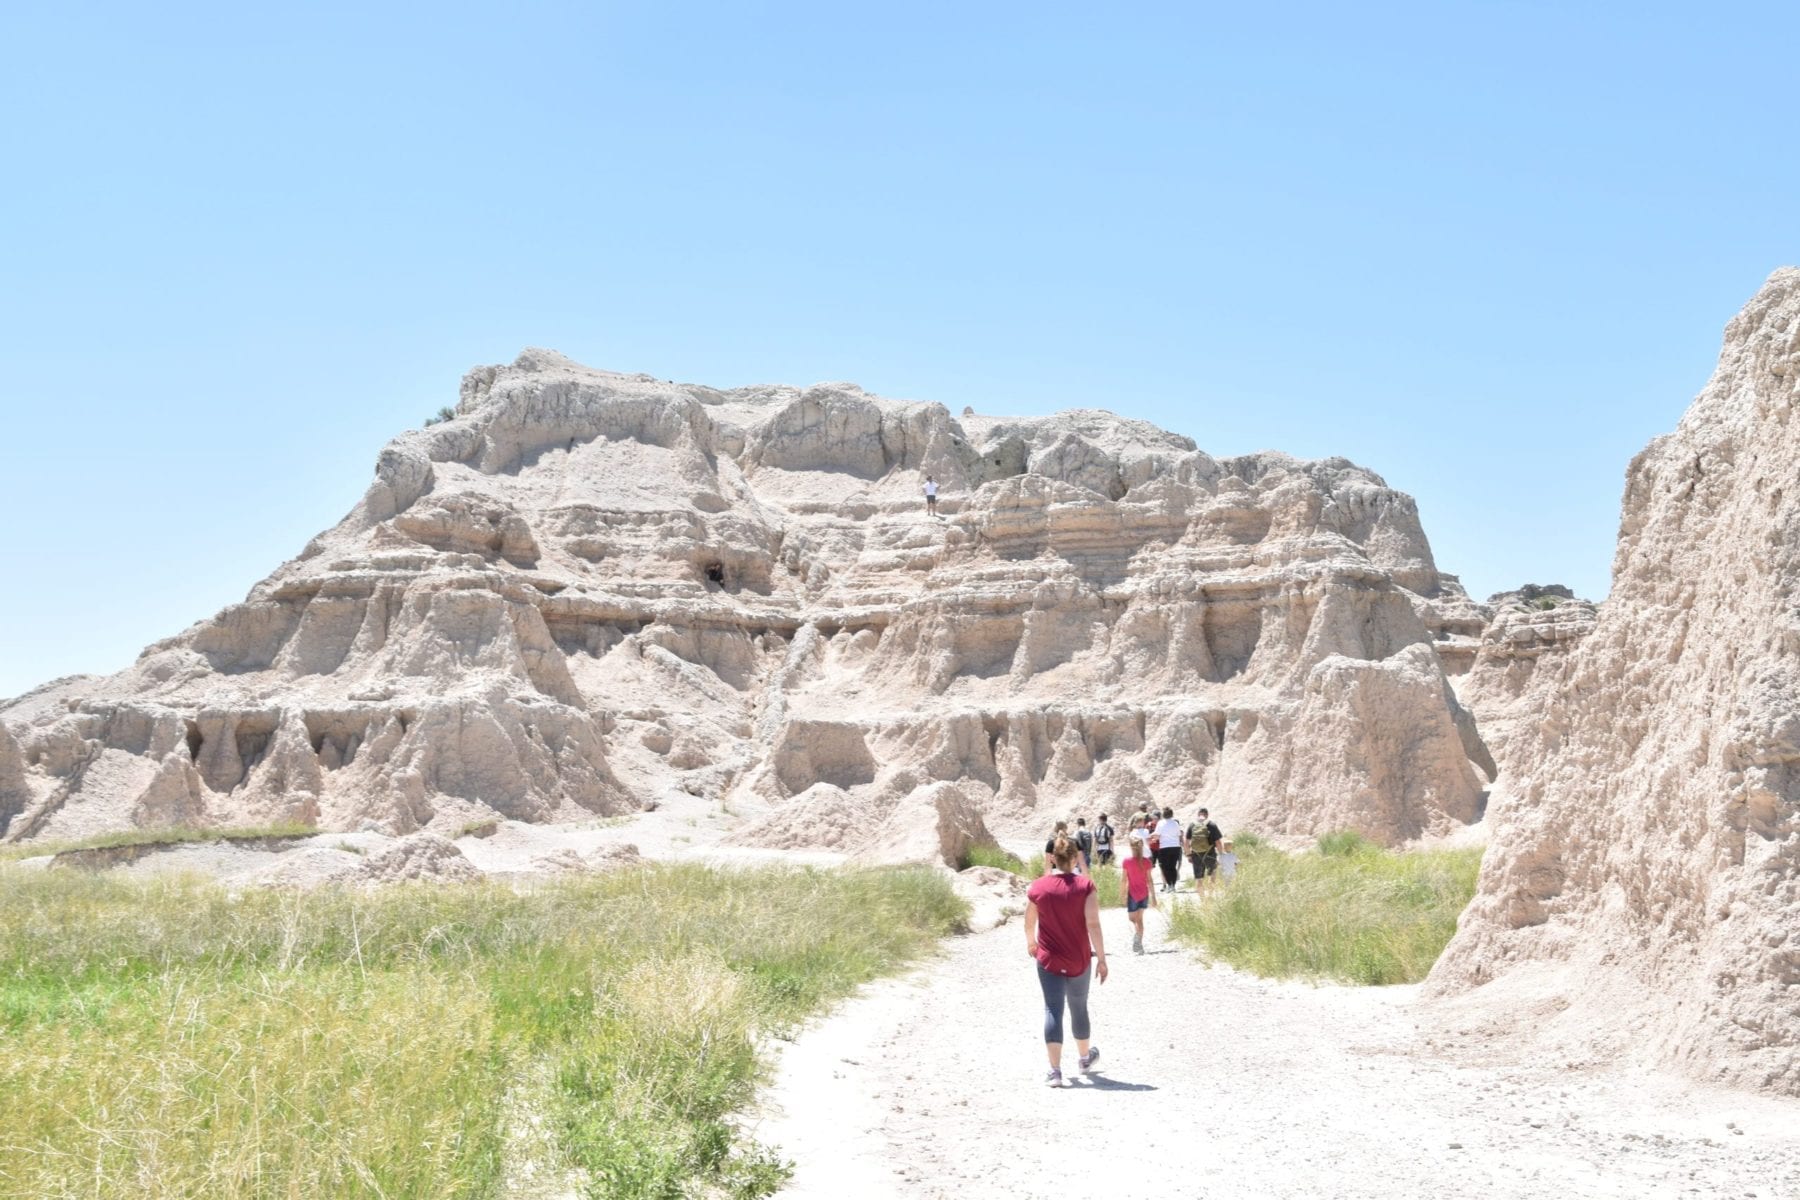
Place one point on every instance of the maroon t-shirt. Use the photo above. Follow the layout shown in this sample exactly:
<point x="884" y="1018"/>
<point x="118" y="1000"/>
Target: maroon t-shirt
<point x="1063" y="947"/>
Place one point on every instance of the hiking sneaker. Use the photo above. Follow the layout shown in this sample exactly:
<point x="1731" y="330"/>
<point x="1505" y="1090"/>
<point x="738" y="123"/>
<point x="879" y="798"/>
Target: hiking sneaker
<point x="1055" y="1079"/>
<point x="1090" y="1058"/>
<point x="1137" y="943"/>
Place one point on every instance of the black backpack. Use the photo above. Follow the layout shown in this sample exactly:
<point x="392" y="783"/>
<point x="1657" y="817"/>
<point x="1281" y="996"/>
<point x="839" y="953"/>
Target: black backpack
<point x="1103" y="835"/>
<point x="1085" y="840"/>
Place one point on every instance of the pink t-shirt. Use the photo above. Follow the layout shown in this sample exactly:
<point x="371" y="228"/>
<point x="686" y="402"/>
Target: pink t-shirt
<point x="1137" y="877"/>
<point x="1063" y="946"/>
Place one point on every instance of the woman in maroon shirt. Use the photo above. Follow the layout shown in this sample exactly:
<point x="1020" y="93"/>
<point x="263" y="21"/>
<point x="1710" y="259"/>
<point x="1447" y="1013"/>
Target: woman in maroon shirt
<point x="1062" y="931"/>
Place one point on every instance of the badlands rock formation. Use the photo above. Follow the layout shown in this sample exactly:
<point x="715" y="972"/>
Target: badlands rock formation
<point x="1527" y="632"/>
<point x="1643" y="873"/>
<point x="588" y="591"/>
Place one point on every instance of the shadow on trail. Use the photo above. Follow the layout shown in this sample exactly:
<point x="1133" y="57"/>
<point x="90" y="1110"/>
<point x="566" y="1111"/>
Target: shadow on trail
<point x="1104" y="1084"/>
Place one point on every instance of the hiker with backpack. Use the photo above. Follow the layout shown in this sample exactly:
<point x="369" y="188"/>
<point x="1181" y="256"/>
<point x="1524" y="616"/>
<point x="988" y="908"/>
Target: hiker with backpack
<point x="1061" y="831"/>
<point x="1103" y="841"/>
<point x="1084" y="842"/>
<point x="1203" y="847"/>
<point x="1062" y="933"/>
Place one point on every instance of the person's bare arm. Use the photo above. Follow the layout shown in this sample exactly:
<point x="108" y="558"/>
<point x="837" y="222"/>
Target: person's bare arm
<point x="1031" y="919"/>
<point x="1095" y="937"/>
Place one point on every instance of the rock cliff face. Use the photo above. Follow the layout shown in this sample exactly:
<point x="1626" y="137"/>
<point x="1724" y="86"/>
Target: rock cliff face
<point x="1643" y="873"/>
<point x="589" y="590"/>
<point x="1528" y="632"/>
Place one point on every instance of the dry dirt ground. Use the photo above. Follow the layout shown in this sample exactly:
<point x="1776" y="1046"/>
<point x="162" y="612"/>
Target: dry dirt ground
<point x="1217" y="1084"/>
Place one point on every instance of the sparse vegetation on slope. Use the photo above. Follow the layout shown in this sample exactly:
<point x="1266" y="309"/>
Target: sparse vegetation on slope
<point x="170" y="1039"/>
<point x="994" y="856"/>
<point x="1347" y="910"/>
<point x="155" y="837"/>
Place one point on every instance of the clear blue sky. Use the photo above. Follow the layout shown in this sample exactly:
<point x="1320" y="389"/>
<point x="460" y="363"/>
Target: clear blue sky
<point x="1484" y="249"/>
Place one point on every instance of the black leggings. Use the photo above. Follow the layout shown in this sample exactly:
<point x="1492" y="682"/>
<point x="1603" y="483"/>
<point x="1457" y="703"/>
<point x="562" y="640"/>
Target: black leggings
<point x="1169" y="857"/>
<point x="1060" y="988"/>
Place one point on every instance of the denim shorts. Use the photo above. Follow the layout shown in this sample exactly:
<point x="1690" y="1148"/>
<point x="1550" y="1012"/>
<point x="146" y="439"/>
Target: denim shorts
<point x="1132" y="906"/>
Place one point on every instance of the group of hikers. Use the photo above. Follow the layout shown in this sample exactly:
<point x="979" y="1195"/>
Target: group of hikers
<point x="1062" y="909"/>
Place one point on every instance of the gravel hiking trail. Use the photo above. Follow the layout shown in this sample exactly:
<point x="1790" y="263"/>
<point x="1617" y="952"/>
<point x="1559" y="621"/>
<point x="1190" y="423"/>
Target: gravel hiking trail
<point x="1217" y="1084"/>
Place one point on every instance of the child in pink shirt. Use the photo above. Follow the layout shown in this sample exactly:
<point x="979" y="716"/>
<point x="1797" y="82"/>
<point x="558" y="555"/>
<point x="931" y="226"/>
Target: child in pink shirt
<point x="1138" y="893"/>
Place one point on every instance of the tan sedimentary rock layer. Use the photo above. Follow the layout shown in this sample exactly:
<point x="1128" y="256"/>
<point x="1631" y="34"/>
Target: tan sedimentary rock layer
<point x="590" y="590"/>
<point x="1522" y="638"/>
<point x="1641" y="891"/>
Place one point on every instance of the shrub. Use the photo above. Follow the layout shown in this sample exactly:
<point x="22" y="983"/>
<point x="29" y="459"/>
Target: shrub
<point x="1345" y="842"/>
<point x="443" y="414"/>
<point x="994" y="856"/>
<point x="1347" y="911"/>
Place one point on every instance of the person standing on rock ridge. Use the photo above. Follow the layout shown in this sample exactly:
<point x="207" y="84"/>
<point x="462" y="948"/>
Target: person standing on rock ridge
<point x="1062" y="932"/>
<point x="930" y="496"/>
<point x="1169" y="847"/>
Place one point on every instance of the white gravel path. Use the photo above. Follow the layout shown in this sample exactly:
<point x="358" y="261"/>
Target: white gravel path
<point x="1216" y="1084"/>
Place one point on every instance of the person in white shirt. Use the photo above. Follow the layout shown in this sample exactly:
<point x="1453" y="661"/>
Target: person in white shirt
<point x="1171" y="844"/>
<point x="930" y="496"/>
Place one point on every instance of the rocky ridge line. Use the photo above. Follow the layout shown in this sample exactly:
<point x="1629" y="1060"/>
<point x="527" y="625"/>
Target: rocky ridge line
<point x="589" y="591"/>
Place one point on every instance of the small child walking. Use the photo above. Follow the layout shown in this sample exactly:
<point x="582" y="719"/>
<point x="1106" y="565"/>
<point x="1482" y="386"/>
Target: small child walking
<point x="1227" y="860"/>
<point x="1139" y="895"/>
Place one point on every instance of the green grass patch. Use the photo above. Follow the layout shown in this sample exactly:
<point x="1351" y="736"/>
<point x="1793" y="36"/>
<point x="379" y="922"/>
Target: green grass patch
<point x="152" y="837"/>
<point x="1347" y="910"/>
<point x="1109" y="886"/>
<point x="994" y="856"/>
<point x="164" y="1038"/>
<point x="1344" y="843"/>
